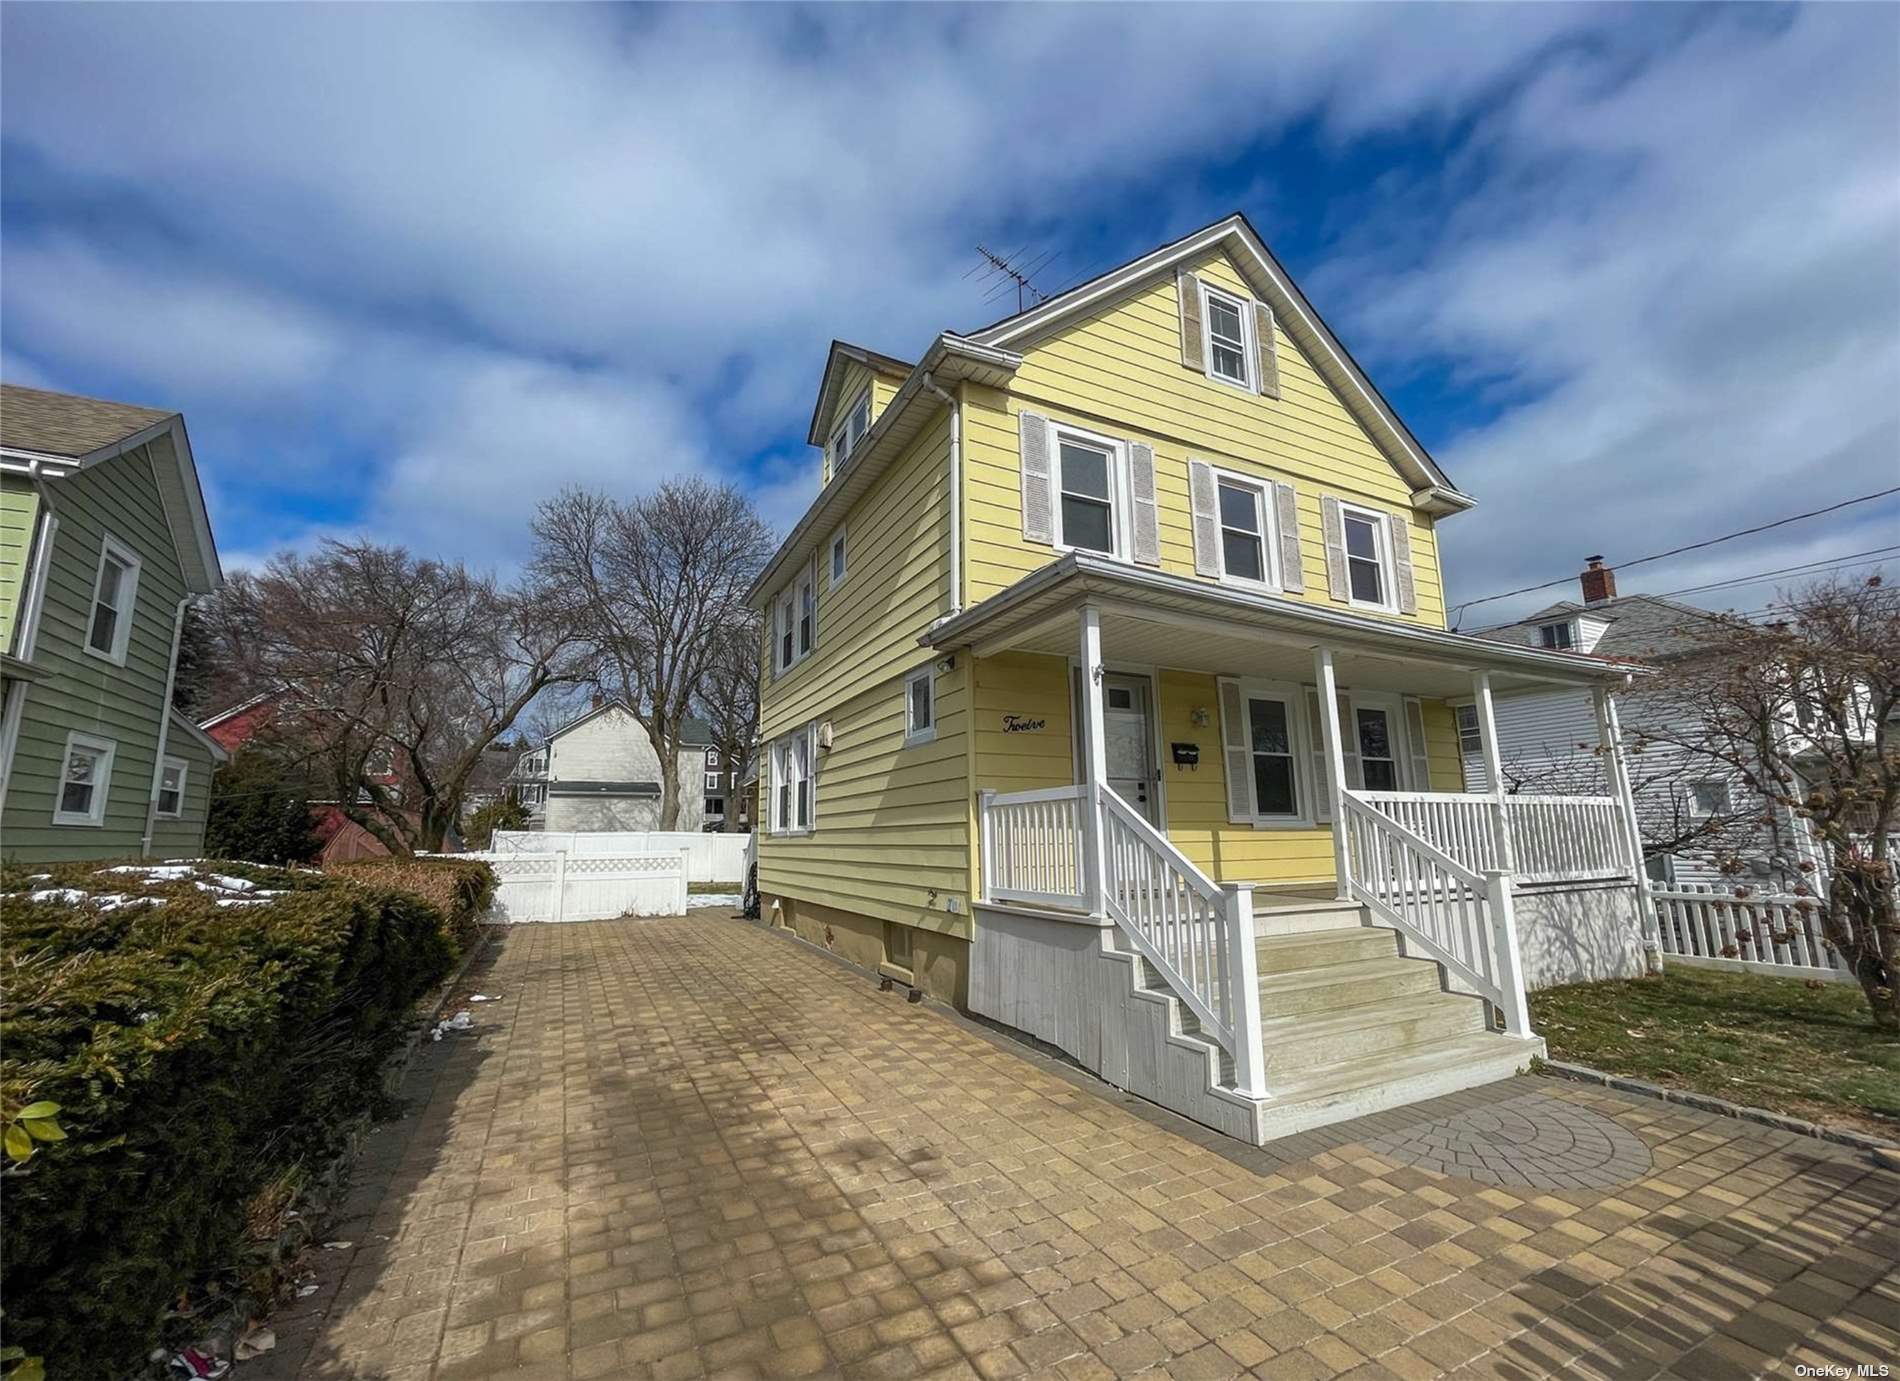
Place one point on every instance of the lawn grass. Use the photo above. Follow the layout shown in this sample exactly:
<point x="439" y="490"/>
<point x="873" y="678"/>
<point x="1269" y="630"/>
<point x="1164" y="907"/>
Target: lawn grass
<point x="1773" y="1043"/>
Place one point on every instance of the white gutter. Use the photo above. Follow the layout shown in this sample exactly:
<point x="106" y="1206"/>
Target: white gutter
<point x="956" y="495"/>
<point x="164" y="728"/>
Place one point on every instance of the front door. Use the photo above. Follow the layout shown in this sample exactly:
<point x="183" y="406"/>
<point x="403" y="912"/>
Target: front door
<point x="1128" y="727"/>
<point x="1376" y="725"/>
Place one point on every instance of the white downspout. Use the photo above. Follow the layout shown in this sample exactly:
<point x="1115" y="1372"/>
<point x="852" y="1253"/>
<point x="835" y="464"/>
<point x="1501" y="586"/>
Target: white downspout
<point x="164" y="728"/>
<point x="956" y="495"/>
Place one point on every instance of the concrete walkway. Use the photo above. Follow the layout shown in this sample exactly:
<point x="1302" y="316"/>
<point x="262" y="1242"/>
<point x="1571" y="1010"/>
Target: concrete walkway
<point x="690" y="1147"/>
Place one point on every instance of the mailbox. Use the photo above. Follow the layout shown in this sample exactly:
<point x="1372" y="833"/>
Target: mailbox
<point x="1186" y="754"/>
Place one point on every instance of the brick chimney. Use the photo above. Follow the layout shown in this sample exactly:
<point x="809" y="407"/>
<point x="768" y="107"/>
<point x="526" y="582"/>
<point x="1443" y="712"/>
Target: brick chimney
<point x="1599" y="581"/>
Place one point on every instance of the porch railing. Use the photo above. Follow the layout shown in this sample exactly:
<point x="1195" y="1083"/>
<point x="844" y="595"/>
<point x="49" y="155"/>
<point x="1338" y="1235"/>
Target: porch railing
<point x="1458" y="915"/>
<point x="1700" y="924"/>
<point x="1553" y="838"/>
<point x="1034" y="850"/>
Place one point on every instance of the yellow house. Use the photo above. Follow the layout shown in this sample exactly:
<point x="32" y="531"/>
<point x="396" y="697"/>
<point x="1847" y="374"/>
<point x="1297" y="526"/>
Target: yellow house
<point x="1107" y="694"/>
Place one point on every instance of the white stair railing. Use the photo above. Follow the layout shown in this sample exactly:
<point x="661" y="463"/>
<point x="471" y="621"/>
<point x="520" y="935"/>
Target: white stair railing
<point x="1033" y="847"/>
<point x="1458" y="915"/>
<point x="1196" y="933"/>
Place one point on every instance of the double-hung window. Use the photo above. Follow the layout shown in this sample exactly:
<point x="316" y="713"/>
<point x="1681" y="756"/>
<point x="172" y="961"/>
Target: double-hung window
<point x="920" y="707"/>
<point x="1086" y="480"/>
<point x="840" y="558"/>
<point x="794" y="799"/>
<point x="1272" y="742"/>
<point x="1246" y="551"/>
<point x="171" y="788"/>
<point x="1229" y="337"/>
<point x="1470" y="736"/>
<point x="114" y="592"/>
<point x="795" y="623"/>
<point x="1368" y="557"/>
<point x="850" y="431"/>
<point x="85" y="778"/>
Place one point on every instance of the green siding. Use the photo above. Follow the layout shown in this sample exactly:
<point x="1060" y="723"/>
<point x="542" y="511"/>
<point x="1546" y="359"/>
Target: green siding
<point x="185" y="836"/>
<point x="85" y="693"/>
<point x="19" y="503"/>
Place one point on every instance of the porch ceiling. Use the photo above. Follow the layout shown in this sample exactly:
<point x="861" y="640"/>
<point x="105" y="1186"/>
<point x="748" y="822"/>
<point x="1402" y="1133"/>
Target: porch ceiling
<point x="1166" y="621"/>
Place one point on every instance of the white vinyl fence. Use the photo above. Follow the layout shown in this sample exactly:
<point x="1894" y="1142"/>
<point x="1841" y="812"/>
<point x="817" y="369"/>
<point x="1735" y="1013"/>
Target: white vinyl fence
<point x="1702" y="925"/>
<point x="564" y="887"/>
<point x="711" y="857"/>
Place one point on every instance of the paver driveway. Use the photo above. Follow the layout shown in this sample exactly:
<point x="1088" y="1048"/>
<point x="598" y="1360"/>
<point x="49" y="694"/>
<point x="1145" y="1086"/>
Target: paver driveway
<point x="690" y="1147"/>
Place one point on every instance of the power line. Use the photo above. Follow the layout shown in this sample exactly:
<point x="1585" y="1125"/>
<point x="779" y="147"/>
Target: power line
<point x="1832" y="563"/>
<point x="1458" y="609"/>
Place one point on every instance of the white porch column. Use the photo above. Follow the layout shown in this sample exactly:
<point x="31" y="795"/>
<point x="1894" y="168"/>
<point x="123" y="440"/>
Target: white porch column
<point x="1494" y="772"/>
<point x="1335" y="762"/>
<point x="1610" y="739"/>
<point x="1094" y="757"/>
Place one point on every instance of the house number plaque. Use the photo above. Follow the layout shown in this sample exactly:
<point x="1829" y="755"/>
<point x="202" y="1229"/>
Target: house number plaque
<point x="1020" y="724"/>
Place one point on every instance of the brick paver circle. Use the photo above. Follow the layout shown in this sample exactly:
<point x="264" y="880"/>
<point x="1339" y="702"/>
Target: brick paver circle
<point x="1536" y="1141"/>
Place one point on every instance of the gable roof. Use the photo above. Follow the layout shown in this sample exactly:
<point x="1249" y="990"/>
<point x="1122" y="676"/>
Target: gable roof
<point x="55" y="434"/>
<point x="1265" y="274"/>
<point x="694" y="731"/>
<point x="182" y="722"/>
<point x="837" y="359"/>
<point x="1639" y="626"/>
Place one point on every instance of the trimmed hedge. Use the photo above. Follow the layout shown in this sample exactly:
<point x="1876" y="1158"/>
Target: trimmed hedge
<point x="461" y="888"/>
<point x="198" y="1053"/>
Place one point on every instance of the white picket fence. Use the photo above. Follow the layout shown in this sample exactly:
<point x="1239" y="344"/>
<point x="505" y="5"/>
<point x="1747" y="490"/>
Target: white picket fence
<point x="1702" y="925"/>
<point x="710" y="857"/>
<point x="565" y="887"/>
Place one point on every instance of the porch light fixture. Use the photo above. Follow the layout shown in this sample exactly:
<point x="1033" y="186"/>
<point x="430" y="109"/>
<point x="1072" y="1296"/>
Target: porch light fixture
<point x="1201" y="717"/>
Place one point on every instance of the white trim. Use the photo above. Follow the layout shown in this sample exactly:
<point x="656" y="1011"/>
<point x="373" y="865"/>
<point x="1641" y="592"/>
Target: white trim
<point x="166" y="764"/>
<point x="789" y="602"/>
<point x="840" y="536"/>
<point x="843" y="444"/>
<point x="1269" y="531"/>
<point x="784" y="775"/>
<point x="1120" y="489"/>
<point x="913" y="735"/>
<point x="1391" y="704"/>
<point x="95" y="814"/>
<point x="1382" y="538"/>
<point x="1292" y="698"/>
<point x="1249" y="347"/>
<point x="125" y="609"/>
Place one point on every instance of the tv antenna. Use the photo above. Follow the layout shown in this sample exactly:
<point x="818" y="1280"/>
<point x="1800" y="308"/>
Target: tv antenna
<point x="1003" y="271"/>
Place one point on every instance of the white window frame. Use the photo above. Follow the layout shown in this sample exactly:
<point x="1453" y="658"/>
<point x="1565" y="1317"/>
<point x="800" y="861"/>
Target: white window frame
<point x="838" y="557"/>
<point x="184" y="776"/>
<point x="1269" y="531"/>
<point x="913" y="735"/>
<point x="1548" y="635"/>
<point x="1292" y="699"/>
<point x="1719" y="784"/>
<point x="849" y="432"/>
<point x="1398" y="737"/>
<point x="95" y="814"/>
<point x="111" y="548"/>
<point x="1382" y="538"/>
<point x="712" y="780"/>
<point x="1120" y="486"/>
<point x="1249" y="349"/>
<point x="1475" y="733"/>
<point x="784" y="764"/>
<point x="712" y="759"/>
<point x="787" y="613"/>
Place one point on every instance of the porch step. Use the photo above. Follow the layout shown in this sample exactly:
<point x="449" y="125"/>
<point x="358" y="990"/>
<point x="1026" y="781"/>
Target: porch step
<point x="1303" y="1100"/>
<point x="1301" y="915"/>
<point x="1309" y="1041"/>
<point x="1343" y="987"/>
<point x="1313" y="949"/>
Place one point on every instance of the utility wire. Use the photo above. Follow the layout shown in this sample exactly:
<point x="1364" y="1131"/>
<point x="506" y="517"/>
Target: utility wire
<point x="1463" y="605"/>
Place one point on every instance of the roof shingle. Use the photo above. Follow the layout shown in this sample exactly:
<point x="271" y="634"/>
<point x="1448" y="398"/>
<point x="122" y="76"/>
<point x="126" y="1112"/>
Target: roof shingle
<point x="64" y="424"/>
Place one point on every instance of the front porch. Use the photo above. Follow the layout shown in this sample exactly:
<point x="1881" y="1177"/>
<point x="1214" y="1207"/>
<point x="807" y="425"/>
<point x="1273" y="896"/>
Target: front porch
<point x="1247" y="778"/>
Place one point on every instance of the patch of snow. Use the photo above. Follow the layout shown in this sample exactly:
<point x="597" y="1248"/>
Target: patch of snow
<point x="725" y="899"/>
<point x="72" y="896"/>
<point x="157" y="872"/>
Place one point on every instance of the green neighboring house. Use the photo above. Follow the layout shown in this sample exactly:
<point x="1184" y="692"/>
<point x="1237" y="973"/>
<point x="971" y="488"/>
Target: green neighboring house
<point x="103" y="540"/>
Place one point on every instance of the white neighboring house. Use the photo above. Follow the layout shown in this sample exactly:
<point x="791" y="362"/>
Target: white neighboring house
<point x="600" y="771"/>
<point x="1547" y="739"/>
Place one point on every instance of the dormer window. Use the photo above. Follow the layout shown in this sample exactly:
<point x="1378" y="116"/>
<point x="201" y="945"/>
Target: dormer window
<point x="1558" y="637"/>
<point x="851" y="429"/>
<point x="1229" y="346"/>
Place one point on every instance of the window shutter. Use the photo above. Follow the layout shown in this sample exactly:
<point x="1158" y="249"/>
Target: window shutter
<point x="1415" y="744"/>
<point x="1141" y="465"/>
<point x="1204" y="501"/>
<point x="1316" y="758"/>
<point x="1400" y="528"/>
<point x="1193" y="347"/>
<point x="1037" y="523"/>
<point x="1286" y="515"/>
<point x="1333" y="526"/>
<point x="1267" y="349"/>
<point x="1235" y="755"/>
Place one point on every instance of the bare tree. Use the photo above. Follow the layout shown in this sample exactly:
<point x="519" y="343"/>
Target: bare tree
<point x="1803" y="713"/>
<point x="729" y="703"/>
<point x="652" y="582"/>
<point x="398" y="674"/>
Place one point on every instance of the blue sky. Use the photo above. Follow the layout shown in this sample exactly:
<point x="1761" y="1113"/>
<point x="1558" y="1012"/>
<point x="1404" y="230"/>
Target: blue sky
<point x="1633" y="275"/>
